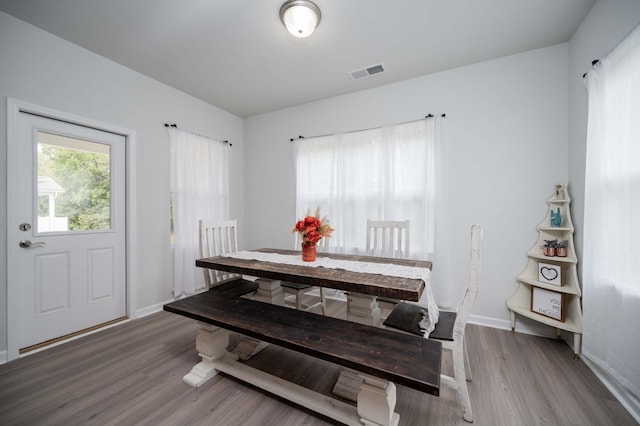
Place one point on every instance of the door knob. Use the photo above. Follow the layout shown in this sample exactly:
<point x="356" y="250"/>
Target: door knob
<point x="28" y="244"/>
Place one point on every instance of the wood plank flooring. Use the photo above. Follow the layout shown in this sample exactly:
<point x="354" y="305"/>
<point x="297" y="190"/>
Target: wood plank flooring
<point x="131" y="374"/>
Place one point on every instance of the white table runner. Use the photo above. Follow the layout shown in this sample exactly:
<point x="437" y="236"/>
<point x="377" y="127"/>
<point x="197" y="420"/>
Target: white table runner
<point x="426" y="299"/>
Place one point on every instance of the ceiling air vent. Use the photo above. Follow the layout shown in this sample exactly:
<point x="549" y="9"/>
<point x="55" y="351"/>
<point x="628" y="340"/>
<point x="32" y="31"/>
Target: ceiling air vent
<point x="366" y="72"/>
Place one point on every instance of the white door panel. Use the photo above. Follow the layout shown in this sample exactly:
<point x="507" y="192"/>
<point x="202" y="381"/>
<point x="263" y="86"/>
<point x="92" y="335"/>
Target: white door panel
<point x="51" y="284"/>
<point x="66" y="197"/>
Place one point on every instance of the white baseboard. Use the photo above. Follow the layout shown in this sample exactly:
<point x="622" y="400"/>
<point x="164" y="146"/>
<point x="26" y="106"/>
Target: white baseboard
<point x="151" y="309"/>
<point x="534" y="329"/>
<point x="490" y="322"/>
<point x="160" y="306"/>
<point x="3" y="357"/>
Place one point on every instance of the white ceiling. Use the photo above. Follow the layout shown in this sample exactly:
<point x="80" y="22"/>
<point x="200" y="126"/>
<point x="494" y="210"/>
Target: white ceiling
<point x="236" y="54"/>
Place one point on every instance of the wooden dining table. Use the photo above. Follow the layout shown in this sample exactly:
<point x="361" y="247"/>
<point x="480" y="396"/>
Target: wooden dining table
<point x="370" y="358"/>
<point x="362" y="288"/>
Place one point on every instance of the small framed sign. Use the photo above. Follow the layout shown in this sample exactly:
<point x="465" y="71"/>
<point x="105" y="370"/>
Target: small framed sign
<point x="548" y="303"/>
<point x="550" y="274"/>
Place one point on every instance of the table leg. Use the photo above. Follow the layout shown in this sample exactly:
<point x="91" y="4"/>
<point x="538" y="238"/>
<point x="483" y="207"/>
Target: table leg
<point x="363" y="309"/>
<point x="269" y="291"/>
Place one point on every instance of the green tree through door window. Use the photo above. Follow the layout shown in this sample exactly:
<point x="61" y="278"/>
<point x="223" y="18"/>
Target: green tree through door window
<point x="82" y="170"/>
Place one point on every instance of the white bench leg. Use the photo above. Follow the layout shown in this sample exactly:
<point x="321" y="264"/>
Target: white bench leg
<point x="211" y="344"/>
<point x="376" y="402"/>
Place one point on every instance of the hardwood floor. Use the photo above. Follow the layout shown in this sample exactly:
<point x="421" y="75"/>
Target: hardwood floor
<point x="131" y="374"/>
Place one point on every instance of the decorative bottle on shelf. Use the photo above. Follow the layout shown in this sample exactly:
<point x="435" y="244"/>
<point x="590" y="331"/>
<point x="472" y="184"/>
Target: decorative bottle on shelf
<point x="548" y="289"/>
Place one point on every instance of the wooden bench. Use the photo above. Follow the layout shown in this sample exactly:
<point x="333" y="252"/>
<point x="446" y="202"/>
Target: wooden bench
<point x="382" y="357"/>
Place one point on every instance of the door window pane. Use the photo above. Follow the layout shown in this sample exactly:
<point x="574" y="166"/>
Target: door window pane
<point x="74" y="184"/>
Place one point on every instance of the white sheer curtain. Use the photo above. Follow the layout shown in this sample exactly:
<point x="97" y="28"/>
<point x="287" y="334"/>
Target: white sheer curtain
<point x="611" y="278"/>
<point x="382" y="174"/>
<point x="200" y="190"/>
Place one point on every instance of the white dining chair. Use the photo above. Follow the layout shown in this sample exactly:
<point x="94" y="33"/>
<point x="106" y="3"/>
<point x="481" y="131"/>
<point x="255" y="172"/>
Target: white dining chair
<point x="296" y="294"/>
<point x="218" y="238"/>
<point x="451" y="325"/>
<point x="385" y="238"/>
<point x="388" y="238"/>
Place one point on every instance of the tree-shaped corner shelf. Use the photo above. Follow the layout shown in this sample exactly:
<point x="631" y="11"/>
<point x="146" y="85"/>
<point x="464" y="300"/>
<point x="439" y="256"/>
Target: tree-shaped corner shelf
<point x="548" y="289"/>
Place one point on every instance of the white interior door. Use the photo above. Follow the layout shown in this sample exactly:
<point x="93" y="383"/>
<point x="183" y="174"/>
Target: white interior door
<point x="66" y="229"/>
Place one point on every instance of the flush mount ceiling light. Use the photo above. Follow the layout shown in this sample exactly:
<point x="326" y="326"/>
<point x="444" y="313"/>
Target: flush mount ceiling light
<point x="300" y="17"/>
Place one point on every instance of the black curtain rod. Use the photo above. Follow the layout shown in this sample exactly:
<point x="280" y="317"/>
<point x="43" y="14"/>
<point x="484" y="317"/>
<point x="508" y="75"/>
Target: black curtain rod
<point x="593" y="64"/>
<point x="371" y="128"/>
<point x="176" y="126"/>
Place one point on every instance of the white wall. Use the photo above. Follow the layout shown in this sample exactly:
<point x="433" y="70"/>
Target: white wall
<point x="604" y="27"/>
<point x="42" y="69"/>
<point x="507" y="147"/>
<point x="508" y="142"/>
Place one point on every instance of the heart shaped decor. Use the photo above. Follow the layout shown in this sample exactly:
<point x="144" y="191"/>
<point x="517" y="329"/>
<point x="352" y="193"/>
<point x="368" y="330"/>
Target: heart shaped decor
<point x="549" y="274"/>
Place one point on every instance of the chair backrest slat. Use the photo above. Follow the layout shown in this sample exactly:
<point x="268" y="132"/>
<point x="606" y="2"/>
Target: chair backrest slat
<point x="217" y="238"/>
<point x="388" y="238"/>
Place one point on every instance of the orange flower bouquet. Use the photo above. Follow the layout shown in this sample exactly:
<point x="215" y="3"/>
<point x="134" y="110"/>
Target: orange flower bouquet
<point x="312" y="229"/>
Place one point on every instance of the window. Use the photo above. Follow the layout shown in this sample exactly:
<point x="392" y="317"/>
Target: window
<point x="199" y="190"/>
<point x="386" y="173"/>
<point x="74" y="184"/>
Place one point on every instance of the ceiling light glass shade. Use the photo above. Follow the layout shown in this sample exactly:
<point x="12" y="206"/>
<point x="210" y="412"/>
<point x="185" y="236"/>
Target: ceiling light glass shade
<point x="300" y="17"/>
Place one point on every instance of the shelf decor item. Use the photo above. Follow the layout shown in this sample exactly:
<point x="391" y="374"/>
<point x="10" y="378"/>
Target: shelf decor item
<point x="561" y="248"/>
<point x="551" y="274"/>
<point x="549" y="247"/>
<point x="312" y="229"/>
<point x="560" y="191"/>
<point x="547" y="303"/>
<point x="556" y="218"/>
